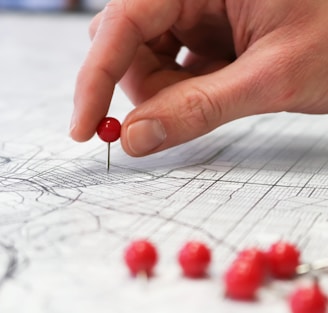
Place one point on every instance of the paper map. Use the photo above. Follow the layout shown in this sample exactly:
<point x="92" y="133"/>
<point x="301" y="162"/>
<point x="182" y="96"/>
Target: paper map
<point x="65" y="221"/>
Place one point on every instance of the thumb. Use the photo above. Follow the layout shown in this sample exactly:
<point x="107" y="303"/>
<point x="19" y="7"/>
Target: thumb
<point x="196" y="106"/>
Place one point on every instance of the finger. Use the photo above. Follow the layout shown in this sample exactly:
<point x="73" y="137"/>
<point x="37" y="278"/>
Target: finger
<point x="153" y="69"/>
<point x="198" y="105"/>
<point x="199" y="65"/>
<point x="123" y="27"/>
<point x="149" y="74"/>
<point x="166" y="44"/>
<point x="94" y="25"/>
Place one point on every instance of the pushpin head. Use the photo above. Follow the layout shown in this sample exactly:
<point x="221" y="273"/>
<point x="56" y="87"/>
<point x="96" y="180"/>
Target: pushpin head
<point x="141" y="257"/>
<point x="194" y="258"/>
<point x="308" y="299"/>
<point x="255" y="255"/>
<point x="243" y="278"/>
<point x="283" y="260"/>
<point x="109" y="129"/>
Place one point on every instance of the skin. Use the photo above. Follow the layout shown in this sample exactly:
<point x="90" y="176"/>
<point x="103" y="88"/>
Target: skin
<point x="245" y="57"/>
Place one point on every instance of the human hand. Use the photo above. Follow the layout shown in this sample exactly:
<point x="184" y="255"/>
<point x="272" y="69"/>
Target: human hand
<point x="246" y="57"/>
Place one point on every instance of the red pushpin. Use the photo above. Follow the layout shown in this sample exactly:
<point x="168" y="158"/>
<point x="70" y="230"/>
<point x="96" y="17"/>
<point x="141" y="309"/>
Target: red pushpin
<point x="109" y="130"/>
<point x="243" y="278"/>
<point x="254" y="254"/>
<point x="194" y="258"/>
<point x="141" y="258"/>
<point x="283" y="260"/>
<point x="308" y="299"/>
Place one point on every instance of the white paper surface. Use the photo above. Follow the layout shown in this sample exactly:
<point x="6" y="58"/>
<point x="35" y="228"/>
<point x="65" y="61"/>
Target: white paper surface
<point x="64" y="222"/>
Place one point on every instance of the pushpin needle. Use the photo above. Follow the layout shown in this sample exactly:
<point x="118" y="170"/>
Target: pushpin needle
<point x="109" y="130"/>
<point x="316" y="266"/>
<point x="108" y="157"/>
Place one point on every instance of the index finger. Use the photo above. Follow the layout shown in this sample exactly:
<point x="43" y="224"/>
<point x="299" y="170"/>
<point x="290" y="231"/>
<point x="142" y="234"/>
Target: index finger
<point x="124" y="25"/>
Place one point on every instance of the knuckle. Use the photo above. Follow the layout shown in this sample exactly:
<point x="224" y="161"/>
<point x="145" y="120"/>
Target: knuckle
<point x="199" y="110"/>
<point x="93" y="26"/>
<point x="111" y="5"/>
<point x="124" y="12"/>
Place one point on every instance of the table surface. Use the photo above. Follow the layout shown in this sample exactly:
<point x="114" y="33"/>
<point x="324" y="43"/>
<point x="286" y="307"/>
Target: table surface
<point x="64" y="221"/>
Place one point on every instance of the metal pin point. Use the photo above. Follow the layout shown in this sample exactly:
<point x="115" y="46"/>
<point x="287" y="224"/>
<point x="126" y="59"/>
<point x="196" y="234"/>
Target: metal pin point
<point x="108" y="157"/>
<point x="320" y="265"/>
<point x="143" y="277"/>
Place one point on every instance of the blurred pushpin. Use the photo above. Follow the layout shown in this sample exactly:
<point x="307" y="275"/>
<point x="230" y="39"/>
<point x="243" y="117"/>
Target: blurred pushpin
<point x="141" y="257"/>
<point x="194" y="259"/>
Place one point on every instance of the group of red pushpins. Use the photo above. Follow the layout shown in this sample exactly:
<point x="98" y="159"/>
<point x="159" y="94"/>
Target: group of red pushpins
<point x="250" y="270"/>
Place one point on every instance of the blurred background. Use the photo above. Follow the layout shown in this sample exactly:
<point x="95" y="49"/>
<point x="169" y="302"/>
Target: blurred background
<point x="52" y="5"/>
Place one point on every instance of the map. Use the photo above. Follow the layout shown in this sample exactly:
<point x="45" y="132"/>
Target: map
<point x="65" y="221"/>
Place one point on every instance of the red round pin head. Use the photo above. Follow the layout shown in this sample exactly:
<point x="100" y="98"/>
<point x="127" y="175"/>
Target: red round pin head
<point x="308" y="299"/>
<point x="141" y="257"/>
<point x="194" y="258"/>
<point x="254" y="254"/>
<point x="243" y="278"/>
<point x="109" y="129"/>
<point x="283" y="259"/>
<point x="257" y="256"/>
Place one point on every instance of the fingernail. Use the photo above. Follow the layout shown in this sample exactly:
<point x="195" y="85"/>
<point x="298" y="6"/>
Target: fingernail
<point x="73" y="124"/>
<point x="145" y="135"/>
